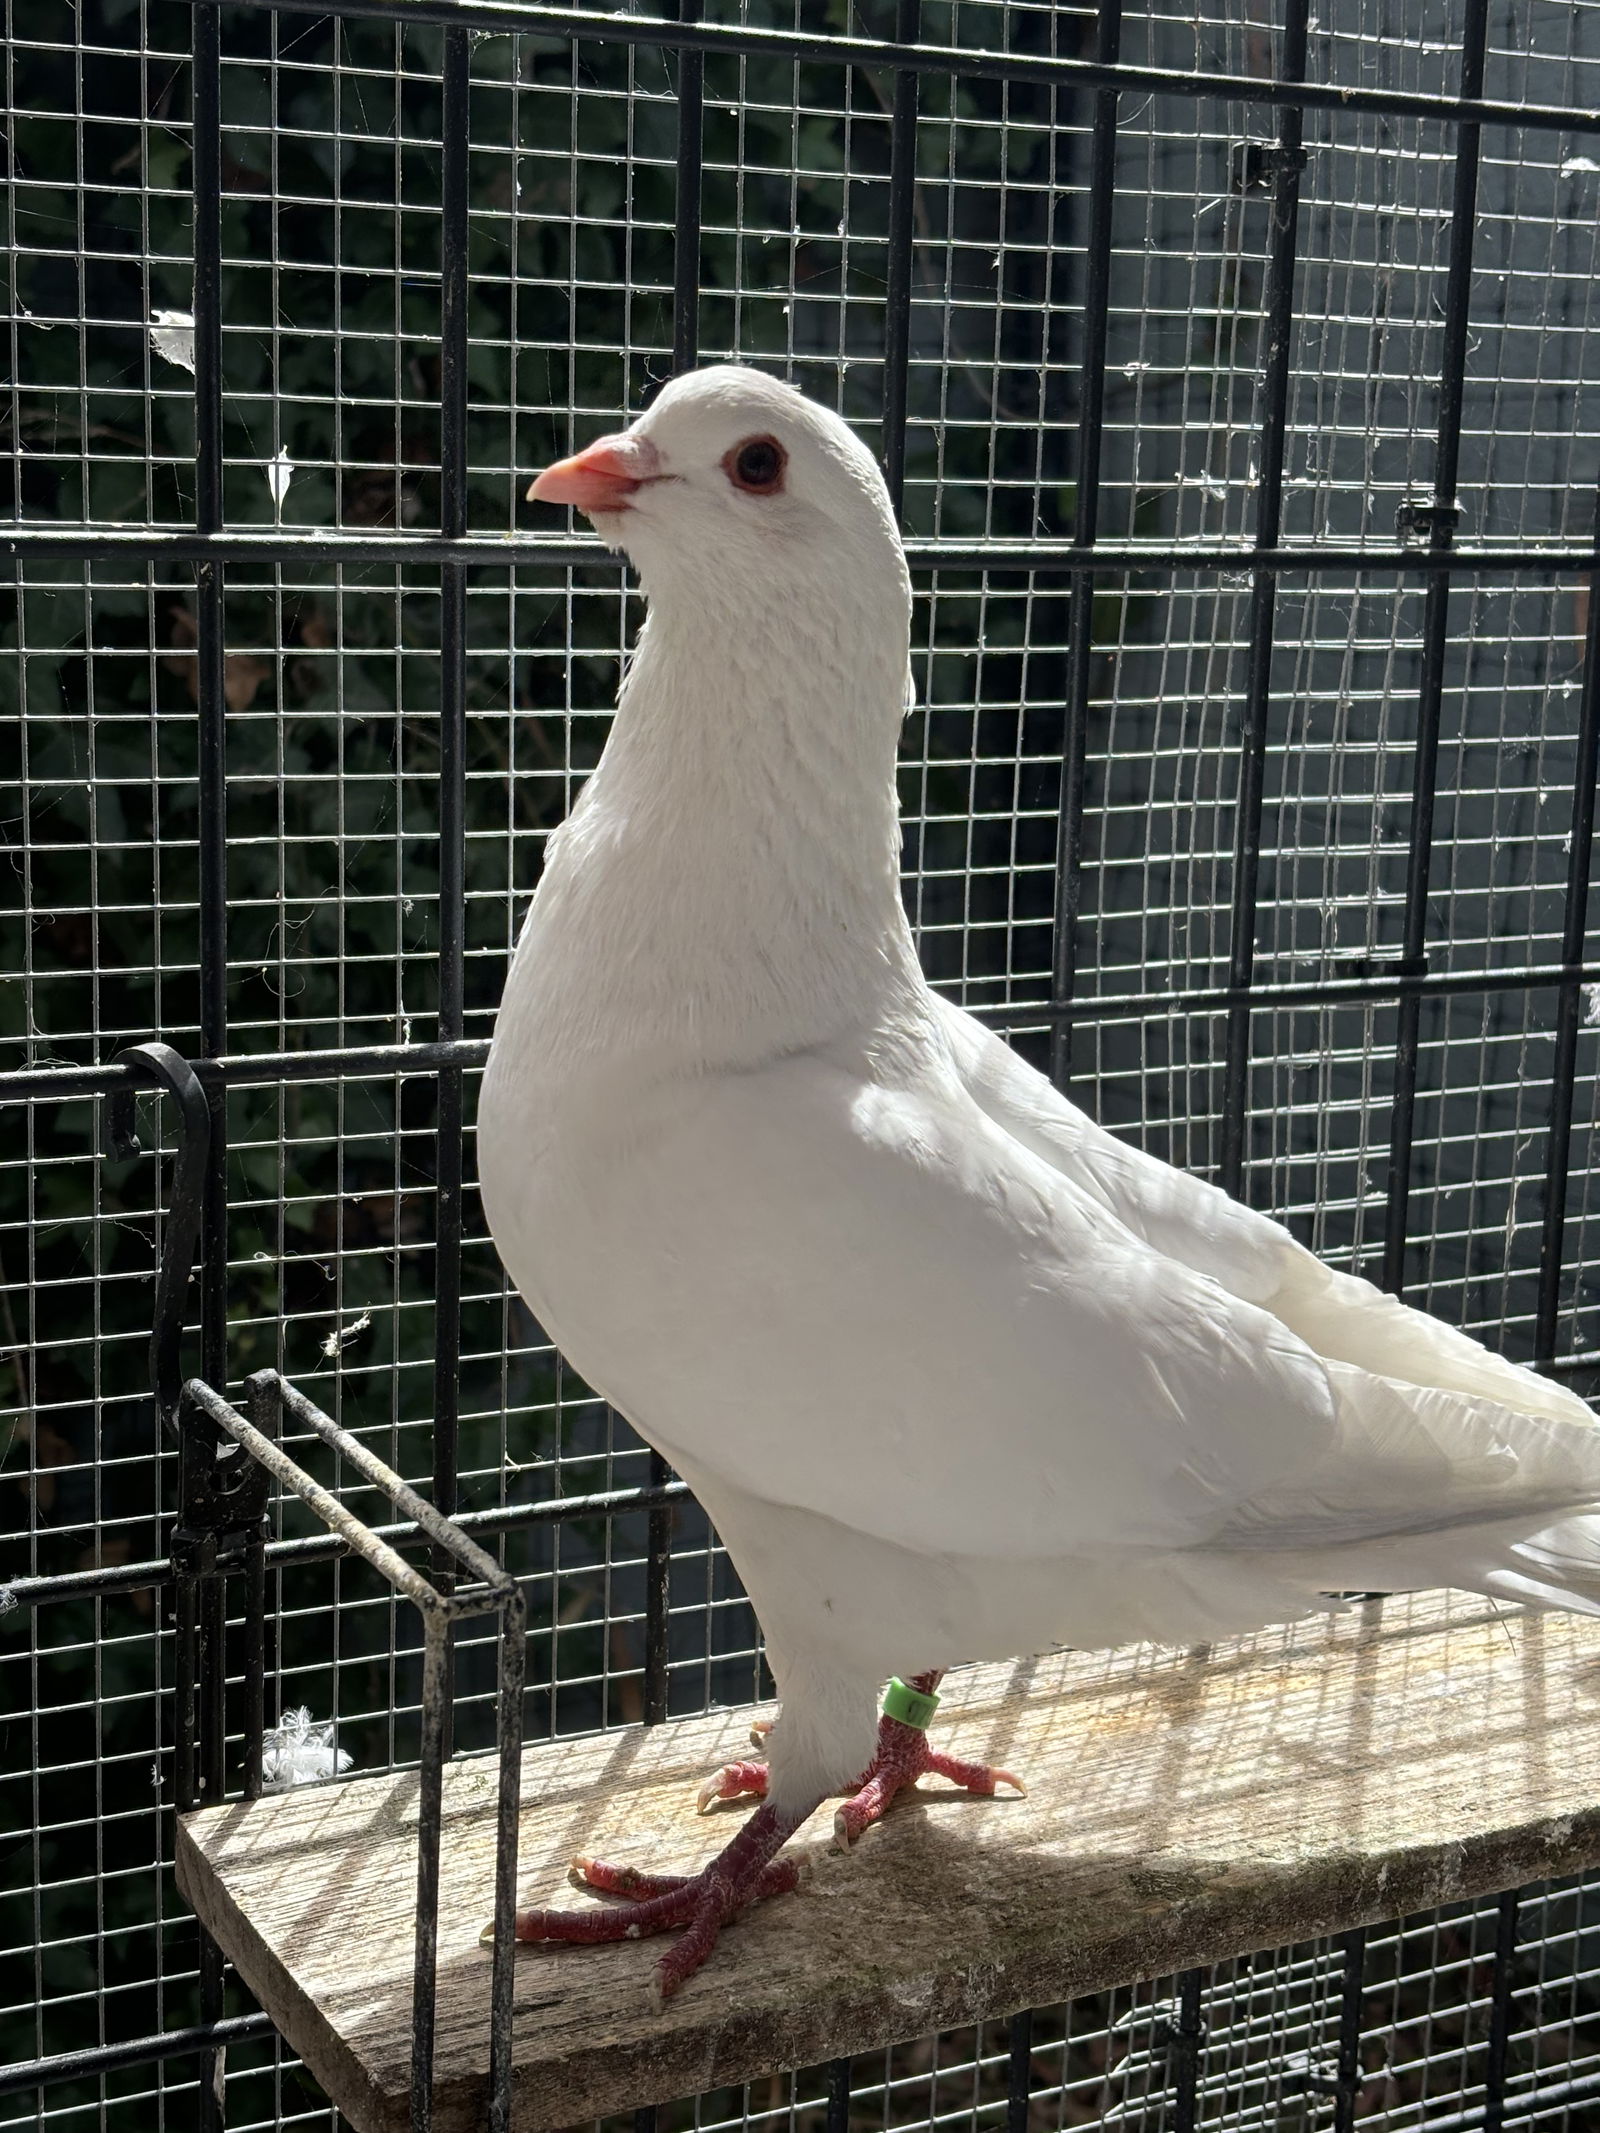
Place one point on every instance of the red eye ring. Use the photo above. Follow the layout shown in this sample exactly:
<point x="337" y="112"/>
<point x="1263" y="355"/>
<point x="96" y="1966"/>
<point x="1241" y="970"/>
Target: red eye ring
<point x="757" y="466"/>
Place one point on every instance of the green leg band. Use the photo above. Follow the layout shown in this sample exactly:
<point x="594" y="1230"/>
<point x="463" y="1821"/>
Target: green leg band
<point x="912" y="1707"/>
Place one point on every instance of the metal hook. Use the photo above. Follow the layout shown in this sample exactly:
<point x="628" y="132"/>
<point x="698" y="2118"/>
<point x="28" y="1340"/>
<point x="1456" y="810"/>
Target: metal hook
<point x="163" y="1068"/>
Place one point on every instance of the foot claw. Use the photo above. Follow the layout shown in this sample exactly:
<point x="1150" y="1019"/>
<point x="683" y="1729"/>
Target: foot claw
<point x="633" y="1882"/>
<point x="867" y="1806"/>
<point x="734" y="1781"/>
<point x="979" y="1778"/>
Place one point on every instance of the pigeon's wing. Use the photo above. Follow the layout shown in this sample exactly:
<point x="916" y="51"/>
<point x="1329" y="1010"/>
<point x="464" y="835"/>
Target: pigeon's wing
<point x="1185" y="1219"/>
<point x="874" y="1304"/>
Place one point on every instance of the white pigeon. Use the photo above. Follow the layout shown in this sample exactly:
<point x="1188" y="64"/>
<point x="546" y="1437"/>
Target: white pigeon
<point x="956" y="1374"/>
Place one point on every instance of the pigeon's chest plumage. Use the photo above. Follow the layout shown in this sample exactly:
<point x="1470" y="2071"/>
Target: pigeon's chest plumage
<point x="652" y="970"/>
<point x="594" y="1155"/>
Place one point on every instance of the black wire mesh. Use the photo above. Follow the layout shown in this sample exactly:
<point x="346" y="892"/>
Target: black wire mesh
<point x="1246" y="435"/>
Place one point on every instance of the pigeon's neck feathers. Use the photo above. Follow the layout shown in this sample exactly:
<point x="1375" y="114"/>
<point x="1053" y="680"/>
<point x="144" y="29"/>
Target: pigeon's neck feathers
<point x="728" y="889"/>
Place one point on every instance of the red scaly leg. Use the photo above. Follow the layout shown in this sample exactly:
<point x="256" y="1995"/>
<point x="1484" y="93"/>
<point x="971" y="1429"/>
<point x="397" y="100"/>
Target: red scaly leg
<point x="745" y="1871"/>
<point x="903" y="1756"/>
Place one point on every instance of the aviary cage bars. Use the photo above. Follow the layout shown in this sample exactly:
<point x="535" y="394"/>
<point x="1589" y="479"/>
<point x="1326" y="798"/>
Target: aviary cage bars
<point x="1237" y="382"/>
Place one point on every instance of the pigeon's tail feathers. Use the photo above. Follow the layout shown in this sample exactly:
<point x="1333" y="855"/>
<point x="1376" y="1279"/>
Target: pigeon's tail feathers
<point x="1557" y="1566"/>
<point x="1418" y="1468"/>
<point x="1423" y="1487"/>
<point x="1347" y="1320"/>
<point x="1418" y="1487"/>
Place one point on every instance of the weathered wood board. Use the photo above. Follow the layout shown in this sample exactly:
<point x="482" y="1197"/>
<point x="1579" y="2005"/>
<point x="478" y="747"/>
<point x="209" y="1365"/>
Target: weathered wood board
<point x="1184" y="1806"/>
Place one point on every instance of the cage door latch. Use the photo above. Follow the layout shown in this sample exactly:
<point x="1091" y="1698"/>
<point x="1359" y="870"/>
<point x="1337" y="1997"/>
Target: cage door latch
<point x="1427" y="518"/>
<point x="1257" y="164"/>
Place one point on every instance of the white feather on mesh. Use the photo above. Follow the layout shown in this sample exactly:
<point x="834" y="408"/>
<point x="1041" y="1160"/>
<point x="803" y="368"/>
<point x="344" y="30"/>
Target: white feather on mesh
<point x="296" y="1752"/>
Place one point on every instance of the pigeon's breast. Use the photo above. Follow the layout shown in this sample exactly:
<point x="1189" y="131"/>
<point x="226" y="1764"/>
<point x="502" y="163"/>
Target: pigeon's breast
<point x="558" y="1156"/>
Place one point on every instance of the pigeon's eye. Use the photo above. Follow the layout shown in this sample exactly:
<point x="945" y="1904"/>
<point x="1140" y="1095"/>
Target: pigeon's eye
<point x="756" y="466"/>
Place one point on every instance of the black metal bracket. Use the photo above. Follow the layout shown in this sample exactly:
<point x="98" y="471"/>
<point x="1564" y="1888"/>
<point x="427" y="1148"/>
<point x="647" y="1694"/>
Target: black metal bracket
<point x="221" y="1494"/>
<point x="1427" y="518"/>
<point x="1407" y="968"/>
<point x="1256" y="164"/>
<point x="168" y="1071"/>
<point x="1169" y="2036"/>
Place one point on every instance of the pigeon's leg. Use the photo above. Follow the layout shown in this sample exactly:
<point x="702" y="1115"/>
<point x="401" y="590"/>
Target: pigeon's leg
<point x="743" y="1872"/>
<point x="903" y="1756"/>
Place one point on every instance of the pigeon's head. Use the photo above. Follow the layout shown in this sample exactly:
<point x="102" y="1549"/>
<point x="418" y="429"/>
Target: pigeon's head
<point x="733" y="487"/>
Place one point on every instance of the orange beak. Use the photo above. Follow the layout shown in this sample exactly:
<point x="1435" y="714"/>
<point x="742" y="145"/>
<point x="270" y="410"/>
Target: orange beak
<point x="600" y="478"/>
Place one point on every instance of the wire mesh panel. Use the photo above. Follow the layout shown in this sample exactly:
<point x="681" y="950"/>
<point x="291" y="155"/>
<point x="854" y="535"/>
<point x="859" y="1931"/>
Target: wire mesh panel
<point x="1247" y="442"/>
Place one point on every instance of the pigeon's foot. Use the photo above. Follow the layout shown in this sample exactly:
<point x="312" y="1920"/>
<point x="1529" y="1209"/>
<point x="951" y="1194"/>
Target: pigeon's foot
<point x="734" y="1781"/>
<point x="738" y="1781"/>
<point x="904" y="1756"/>
<point x="899" y="1763"/>
<point x="744" y="1872"/>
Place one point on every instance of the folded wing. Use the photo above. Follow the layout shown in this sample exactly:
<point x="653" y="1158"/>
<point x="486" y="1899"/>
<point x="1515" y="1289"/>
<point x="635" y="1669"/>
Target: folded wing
<point x="878" y="1305"/>
<point x="874" y="1304"/>
<point x="1184" y="1218"/>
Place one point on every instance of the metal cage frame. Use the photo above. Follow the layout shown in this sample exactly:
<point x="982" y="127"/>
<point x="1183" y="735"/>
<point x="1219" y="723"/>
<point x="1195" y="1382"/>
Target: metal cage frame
<point x="1426" y="547"/>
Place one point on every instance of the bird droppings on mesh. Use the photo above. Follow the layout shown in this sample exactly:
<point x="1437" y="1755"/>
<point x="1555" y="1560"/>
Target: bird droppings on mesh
<point x="172" y="336"/>
<point x="343" y="1337"/>
<point x="280" y="472"/>
<point x="296" y="1752"/>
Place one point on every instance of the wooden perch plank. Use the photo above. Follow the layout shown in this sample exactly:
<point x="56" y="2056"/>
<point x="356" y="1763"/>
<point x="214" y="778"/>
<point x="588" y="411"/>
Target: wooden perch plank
<point x="1184" y="1807"/>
